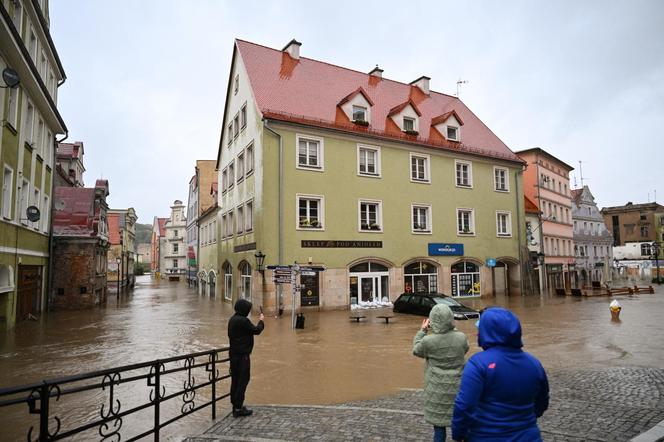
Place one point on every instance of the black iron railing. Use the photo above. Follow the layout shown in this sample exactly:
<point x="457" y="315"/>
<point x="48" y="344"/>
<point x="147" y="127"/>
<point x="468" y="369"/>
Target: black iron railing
<point x="156" y="381"/>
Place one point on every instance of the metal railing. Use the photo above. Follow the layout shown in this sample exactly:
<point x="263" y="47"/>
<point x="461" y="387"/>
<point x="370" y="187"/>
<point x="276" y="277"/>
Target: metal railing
<point x="40" y="398"/>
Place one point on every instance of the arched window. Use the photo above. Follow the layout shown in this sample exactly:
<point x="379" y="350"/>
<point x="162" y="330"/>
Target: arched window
<point x="369" y="283"/>
<point x="466" y="279"/>
<point x="245" y="276"/>
<point x="228" y="281"/>
<point x="420" y="277"/>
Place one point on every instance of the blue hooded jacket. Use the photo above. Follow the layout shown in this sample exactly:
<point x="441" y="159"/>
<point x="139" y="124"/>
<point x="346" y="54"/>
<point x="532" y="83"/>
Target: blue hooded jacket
<point x="503" y="389"/>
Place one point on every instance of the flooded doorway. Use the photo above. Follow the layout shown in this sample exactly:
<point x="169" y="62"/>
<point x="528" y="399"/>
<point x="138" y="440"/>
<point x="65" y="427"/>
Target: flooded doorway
<point x="29" y="290"/>
<point x="465" y="279"/>
<point x="369" y="282"/>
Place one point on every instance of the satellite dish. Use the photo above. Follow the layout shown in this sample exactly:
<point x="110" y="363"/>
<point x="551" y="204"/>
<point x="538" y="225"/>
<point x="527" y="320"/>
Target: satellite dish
<point x="32" y="213"/>
<point x="10" y="77"/>
<point x="59" y="205"/>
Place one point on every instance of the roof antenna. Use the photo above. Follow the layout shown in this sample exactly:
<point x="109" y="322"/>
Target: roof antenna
<point x="460" y="82"/>
<point x="581" y="171"/>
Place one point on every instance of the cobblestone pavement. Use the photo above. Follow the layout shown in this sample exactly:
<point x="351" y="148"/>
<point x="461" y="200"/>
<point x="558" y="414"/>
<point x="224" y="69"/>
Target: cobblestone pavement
<point x="612" y="404"/>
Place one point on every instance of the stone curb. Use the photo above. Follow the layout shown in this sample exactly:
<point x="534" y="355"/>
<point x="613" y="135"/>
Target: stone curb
<point x="655" y="434"/>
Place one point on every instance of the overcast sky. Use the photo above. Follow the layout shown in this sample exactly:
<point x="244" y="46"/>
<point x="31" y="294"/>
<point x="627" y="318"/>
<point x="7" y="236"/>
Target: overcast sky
<point x="582" y="79"/>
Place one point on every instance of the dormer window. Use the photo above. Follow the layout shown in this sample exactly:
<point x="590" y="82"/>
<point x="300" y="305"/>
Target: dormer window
<point x="359" y="113"/>
<point x="408" y="124"/>
<point x="452" y="133"/>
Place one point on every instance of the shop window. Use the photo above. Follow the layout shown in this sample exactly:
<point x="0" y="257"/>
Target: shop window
<point x="465" y="279"/>
<point x="420" y="277"/>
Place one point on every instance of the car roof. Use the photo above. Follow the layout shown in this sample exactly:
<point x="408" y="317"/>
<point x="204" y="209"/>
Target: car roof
<point x="432" y="294"/>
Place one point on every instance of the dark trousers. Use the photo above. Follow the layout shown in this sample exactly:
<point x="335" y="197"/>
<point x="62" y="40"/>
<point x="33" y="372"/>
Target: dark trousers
<point x="240" y="374"/>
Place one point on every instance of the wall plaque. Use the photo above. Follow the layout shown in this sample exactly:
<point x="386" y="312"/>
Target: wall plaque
<point x="350" y="244"/>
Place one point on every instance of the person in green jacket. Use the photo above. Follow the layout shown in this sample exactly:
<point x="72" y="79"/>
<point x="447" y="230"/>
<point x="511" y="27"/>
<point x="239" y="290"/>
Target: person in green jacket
<point x="444" y="348"/>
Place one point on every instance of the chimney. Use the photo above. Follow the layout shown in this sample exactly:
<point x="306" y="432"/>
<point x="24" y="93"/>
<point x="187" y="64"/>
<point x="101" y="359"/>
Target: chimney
<point x="293" y="49"/>
<point x="376" y="72"/>
<point x="422" y="83"/>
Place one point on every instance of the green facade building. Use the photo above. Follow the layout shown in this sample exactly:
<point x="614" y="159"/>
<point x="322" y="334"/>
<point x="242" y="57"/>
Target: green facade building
<point x="30" y="122"/>
<point x="390" y="187"/>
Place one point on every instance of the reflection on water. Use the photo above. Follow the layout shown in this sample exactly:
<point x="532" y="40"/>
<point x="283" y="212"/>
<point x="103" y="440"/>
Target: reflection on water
<point x="332" y="360"/>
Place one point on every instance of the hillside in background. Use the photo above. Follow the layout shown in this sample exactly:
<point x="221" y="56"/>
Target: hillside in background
<point x="143" y="233"/>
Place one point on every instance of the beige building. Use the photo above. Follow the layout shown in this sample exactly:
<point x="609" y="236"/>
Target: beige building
<point x="172" y="251"/>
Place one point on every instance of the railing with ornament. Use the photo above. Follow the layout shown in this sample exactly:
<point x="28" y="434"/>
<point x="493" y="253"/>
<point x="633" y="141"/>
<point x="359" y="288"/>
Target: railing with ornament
<point x="145" y="388"/>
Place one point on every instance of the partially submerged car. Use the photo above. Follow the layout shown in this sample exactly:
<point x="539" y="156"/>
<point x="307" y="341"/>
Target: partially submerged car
<point x="422" y="303"/>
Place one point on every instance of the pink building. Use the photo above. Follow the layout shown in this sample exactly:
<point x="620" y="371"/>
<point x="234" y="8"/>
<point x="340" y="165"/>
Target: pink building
<point x="546" y="183"/>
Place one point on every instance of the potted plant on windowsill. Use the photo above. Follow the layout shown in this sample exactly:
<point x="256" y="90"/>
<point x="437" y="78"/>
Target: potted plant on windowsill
<point x="411" y="132"/>
<point x="374" y="226"/>
<point x="304" y="223"/>
<point x="361" y="122"/>
<point x="315" y="224"/>
<point x="465" y="231"/>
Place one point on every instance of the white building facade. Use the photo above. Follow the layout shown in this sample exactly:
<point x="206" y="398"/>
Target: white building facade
<point x="173" y="253"/>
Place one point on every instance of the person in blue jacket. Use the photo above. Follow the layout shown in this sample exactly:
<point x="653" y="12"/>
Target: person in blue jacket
<point x="503" y="389"/>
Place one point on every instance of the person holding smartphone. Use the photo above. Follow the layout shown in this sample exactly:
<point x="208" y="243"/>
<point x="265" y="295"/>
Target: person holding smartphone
<point x="444" y="348"/>
<point x="241" y="333"/>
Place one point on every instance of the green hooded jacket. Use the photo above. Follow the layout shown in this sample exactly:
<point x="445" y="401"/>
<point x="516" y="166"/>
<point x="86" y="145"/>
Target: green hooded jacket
<point x="444" y="348"/>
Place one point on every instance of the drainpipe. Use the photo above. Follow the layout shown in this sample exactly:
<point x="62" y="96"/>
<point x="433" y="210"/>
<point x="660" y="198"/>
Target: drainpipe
<point x="277" y="305"/>
<point x="51" y="245"/>
<point x="518" y="221"/>
<point x="542" y="266"/>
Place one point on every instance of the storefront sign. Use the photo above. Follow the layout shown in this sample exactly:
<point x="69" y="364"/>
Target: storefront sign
<point x="245" y="247"/>
<point x="445" y="249"/>
<point x="599" y="264"/>
<point x="554" y="268"/>
<point x="309" y="294"/>
<point x="490" y="262"/>
<point x="342" y="244"/>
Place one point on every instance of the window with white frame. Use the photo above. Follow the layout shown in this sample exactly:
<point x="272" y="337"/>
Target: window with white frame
<point x="231" y="174"/>
<point x="236" y="84"/>
<point x="421" y="218"/>
<point x="228" y="281"/>
<point x="503" y="223"/>
<point x="175" y="263"/>
<point x="240" y="219"/>
<point x="39" y="142"/>
<point x="32" y="45"/>
<point x="465" y="221"/>
<point x="17" y="17"/>
<point x="240" y="167"/>
<point x="230" y="133"/>
<point x="28" y="123"/>
<point x="224" y="180"/>
<point x="236" y="125"/>
<point x="249" y="216"/>
<point x="501" y="179"/>
<point x="464" y="173"/>
<point x="368" y="160"/>
<point x="13" y="107"/>
<point x="231" y="223"/>
<point x="371" y="217"/>
<point x="453" y="133"/>
<point x="7" y="187"/>
<point x="249" y="159"/>
<point x="36" y="202"/>
<point x="48" y="150"/>
<point x="359" y="113"/>
<point x="176" y="248"/>
<point x="310" y="212"/>
<point x="243" y="116"/>
<point x="419" y="168"/>
<point x="224" y="226"/>
<point x="408" y="124"/>
<point x="23" y="201"/>
<point x="309" y="152"/>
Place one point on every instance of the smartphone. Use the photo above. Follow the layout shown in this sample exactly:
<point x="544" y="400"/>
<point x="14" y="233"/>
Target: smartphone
<point x="261" y="308"/>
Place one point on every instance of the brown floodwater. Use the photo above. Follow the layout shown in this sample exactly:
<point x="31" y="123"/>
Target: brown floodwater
<point x="332" y="360"/>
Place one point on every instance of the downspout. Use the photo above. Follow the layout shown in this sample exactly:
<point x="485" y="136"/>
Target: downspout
<point x="542" y="266"/>
<point x="51" y="244"/>
<point x="280" y="240"/>
<point x="518" y="221"/>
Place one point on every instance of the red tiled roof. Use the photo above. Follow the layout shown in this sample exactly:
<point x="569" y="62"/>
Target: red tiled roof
<point x="398" y="108"/>
<point x="530" y="206"/>
<point x="359" y="90"/>
<point x="308" y="91"/>
<point x="442" y="118"/>
<point x="76" y="217"/>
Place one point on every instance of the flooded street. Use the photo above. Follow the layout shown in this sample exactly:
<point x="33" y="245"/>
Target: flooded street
<point x="332" y="360"/>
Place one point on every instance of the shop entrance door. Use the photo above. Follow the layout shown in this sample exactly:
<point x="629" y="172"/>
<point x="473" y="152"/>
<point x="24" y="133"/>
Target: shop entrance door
<point x="29" y="290"/>
<point x="372" y="287"/>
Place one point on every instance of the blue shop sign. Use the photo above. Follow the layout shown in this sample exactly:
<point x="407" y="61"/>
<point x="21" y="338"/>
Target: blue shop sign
<point x="490" y="262"/>
<point x="445" y="249"/>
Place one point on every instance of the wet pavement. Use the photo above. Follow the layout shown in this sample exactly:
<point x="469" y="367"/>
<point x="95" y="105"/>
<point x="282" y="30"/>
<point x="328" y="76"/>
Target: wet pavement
<point x="332" y="361"/>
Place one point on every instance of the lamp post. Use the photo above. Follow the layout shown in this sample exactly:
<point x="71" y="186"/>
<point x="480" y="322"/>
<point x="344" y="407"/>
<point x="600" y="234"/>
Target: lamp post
<point x="655" y="252"/>
<point x="118" y="261"/>
<point x="260" y="262"/>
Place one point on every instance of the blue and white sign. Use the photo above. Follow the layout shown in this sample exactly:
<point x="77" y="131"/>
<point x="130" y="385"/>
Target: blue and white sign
<point x="445" y="249"/>
<point x="490" y="262"/>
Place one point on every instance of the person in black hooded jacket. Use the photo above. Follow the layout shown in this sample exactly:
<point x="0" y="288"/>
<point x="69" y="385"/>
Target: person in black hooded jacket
<point x="241" y="337"/>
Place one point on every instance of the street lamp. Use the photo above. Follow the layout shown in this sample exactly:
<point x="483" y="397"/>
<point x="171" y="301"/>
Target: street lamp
<point x="655" y="251"/>
<point x="118" y="260"/>
<point x="260" y="261"/>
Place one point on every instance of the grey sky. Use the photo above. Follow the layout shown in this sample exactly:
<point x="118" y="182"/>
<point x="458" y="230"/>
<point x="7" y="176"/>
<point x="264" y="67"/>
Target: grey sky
<point x="583" y="80"/>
